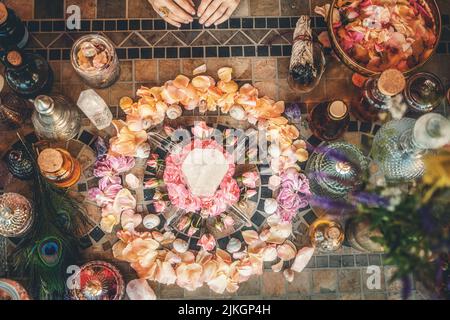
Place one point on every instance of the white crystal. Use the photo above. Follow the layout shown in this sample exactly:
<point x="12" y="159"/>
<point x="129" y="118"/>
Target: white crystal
<point x="95" y="108"/>
<point x="204" y="170"/>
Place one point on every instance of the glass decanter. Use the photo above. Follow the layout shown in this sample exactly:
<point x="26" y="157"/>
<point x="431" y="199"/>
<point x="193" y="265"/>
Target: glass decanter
<point x="336" y="169"/>
<point x="399" y="145"/>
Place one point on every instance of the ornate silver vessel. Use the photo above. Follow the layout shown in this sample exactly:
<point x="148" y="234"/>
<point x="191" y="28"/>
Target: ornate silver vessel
<point x="56" y="118"/>
<point x="16" y="215"/>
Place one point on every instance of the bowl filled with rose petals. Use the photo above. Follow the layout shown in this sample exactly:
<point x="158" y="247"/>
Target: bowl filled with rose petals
<point x="370" y="36"/>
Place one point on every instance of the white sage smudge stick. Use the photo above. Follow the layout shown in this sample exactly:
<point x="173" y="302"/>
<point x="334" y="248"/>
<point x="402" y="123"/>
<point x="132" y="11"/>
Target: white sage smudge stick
<point x="302" y="67"/>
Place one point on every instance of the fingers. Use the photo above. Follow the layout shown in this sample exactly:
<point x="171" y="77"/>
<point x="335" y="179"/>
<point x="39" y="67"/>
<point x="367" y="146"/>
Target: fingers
<point x="172" y="22"/>
<point x="177" y="13"/>
<point x="203" y="5"/>
<point x="186" y="5"/>
<point x="212" y="8"/>
<point x="216" y="15"/>
<point x="225" y="17"/>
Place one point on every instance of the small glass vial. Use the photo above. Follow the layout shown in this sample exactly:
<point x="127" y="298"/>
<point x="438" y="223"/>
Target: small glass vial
<point x="329" y="120"/>
<point x="59" y="167"/>
<point x="95" y="60"/>
<point x="377" y="95"/>
<point x="326" y="235"/>
<point x="95" y="108"/>
<point x="307" y="59"/>
<point x="55" y="118"/>
<point x="424" y="92"/>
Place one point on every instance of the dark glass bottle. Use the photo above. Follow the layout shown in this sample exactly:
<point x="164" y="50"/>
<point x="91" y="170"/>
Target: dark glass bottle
<point x="12" y="30"/>
<point x="377" y="94"/>
<point x="329" y="120"/>
<point x="28" y="75"/>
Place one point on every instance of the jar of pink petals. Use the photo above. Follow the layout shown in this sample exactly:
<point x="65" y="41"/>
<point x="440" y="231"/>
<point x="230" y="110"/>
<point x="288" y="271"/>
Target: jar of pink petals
<point x="95" y="60"/>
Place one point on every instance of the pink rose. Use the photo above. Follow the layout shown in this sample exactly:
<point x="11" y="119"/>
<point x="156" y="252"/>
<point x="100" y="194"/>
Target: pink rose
<point x="249" y="179"/>
<point x="201" y="130"/>
<point x="104" y="195"/>
<point x="207" y="242"/>
<point x="159" y="206"/>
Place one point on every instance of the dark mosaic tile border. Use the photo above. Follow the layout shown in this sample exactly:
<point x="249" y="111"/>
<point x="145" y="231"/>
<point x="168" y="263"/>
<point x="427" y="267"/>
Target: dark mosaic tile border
<point x="45" y="25"/>
<point x="141" y="50"/>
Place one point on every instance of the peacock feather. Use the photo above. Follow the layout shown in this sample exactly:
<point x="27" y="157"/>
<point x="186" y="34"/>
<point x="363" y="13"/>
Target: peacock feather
<point x="51" y="246"/>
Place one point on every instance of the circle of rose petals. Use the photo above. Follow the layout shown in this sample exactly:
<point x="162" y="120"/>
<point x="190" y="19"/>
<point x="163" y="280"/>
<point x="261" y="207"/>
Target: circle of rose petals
<point x="163" y="258"/>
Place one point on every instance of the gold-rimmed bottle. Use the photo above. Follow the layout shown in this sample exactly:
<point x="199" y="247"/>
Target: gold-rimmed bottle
<point x="326" y="235"/>
<point x="59" y="167"/>
<point x="329" y="120"/>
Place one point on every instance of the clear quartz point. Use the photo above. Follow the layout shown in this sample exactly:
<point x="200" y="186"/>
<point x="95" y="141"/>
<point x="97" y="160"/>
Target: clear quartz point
<point x="95" y="108"/>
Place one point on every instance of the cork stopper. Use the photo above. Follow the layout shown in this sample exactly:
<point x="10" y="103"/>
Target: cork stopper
<point x="337" y="109"/>
<point x="50" y="160"/>
<point x="391" y="82"/>
<point x="14" y="58"/>
<point x="3" y="13"/>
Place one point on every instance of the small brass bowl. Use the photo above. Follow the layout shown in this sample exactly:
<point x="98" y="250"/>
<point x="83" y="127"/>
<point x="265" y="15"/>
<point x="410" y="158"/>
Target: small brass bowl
<point x="358" y="68"/>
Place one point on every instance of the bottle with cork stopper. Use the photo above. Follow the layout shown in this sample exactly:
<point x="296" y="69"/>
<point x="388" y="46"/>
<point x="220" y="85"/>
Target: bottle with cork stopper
<point x="28" y="75"/>
<point x="12" y="30"/>
<point x="59" y="167"/>
<point x="329" y="120"/>
<point x="377" y="94"/>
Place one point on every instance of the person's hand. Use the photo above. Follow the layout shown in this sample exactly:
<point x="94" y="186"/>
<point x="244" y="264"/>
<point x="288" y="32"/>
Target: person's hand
<point x="174" y="12"/>
<point x="216" y="11"/>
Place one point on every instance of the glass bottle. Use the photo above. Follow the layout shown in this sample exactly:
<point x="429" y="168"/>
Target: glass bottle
<point x="329" y="120"/>
<point x="307" y="59"/>
<point x="95" y="108"/>
<point x="14" y="111"/>
<point x="95" y="60"/>
<point x="12" y="30"/>
<point x="326" y="235"/>
<point x="335" y="169"/>
<point x="59" y="167"/>
<point x="399" y="145"/>
<point x="56" y="118"/>
<point x="377" y="95"/>
<point x="28" y="75"/>
<point x="424" y="92"/>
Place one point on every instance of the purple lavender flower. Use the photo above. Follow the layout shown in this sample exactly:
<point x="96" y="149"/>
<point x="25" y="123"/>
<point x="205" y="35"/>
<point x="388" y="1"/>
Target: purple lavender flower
<point x="331" y="205"/>
<point x="293" y="112"/>
<point x="370" y="199"/>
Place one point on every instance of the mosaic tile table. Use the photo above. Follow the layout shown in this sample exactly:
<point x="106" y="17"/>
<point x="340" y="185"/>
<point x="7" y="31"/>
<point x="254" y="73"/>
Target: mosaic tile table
<point x="256" y="42"/>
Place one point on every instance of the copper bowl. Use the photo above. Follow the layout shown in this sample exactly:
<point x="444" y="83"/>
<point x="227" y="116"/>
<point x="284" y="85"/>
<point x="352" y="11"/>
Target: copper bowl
<point x="356" y="67"/>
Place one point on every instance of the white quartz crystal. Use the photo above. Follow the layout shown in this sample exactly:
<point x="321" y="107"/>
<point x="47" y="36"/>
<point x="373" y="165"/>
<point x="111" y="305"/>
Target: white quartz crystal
<point x="204" y="170"/>
<point x="95" y="108"/>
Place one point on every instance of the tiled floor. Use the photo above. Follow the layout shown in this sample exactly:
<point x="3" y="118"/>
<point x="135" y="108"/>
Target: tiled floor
<point x="256" y="42"/>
